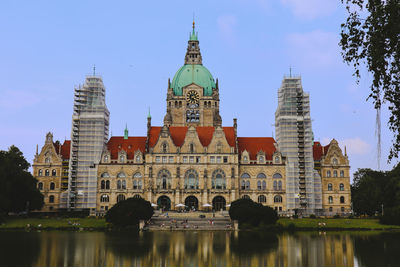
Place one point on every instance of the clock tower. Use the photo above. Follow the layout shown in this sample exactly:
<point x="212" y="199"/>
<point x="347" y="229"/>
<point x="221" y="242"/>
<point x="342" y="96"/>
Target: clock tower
<point x="193" y="94"/>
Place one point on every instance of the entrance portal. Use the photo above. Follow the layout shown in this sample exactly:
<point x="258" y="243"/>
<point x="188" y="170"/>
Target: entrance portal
<point x="192" y="203"/>
<point x="218" y="203"/>
<point x="164" y="203"/>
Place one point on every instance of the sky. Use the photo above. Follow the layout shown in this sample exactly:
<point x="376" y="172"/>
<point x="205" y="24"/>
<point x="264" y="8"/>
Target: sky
<point x="48" y="47"/>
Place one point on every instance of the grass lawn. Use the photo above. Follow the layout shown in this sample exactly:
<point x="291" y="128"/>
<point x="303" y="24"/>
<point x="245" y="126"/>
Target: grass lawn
<point x="54" y="223"/>
<point x="367" y="224"/>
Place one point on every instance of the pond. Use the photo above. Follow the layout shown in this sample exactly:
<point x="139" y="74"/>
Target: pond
<point x="199" y="249"/>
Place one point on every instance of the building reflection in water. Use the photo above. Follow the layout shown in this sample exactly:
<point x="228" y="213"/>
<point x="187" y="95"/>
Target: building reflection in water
<point x="194" y="249"/>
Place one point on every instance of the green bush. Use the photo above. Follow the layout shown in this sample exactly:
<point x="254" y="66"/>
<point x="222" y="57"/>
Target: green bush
<point x="312" y="216"/>
<point x="129" y="212"/>
<point x="247" y="211"/>
<point x="391" y="216"/>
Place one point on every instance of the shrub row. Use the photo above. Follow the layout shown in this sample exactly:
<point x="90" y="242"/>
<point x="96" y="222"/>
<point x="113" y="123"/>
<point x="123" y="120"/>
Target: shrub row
<point x="247" y="211"/>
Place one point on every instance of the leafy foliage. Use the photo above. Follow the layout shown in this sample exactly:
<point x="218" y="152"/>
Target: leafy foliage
<point x="129" y="212"/>
<point x="391" y="216"/>
<point x="371" y="189"/>
<point x="18" y="191"/>
<point x="246" y="211"/>
<point x="371" y="36"/>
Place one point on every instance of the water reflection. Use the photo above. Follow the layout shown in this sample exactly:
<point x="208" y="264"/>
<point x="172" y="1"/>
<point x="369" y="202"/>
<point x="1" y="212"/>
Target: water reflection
<point x="198" y="249"/>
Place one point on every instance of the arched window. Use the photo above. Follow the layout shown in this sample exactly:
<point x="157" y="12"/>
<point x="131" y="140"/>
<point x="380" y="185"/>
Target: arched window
<point x="53" y="172"/>
<point x="277" y="199"/>
<point x="329" y="187"/>
<point x="52" y="186"/>
<point x="121" y="175"/>
<point x="123" y="184"/>
<point x="261" y="175"/>
<point x="275" y="185"/>
<point x="191" y="179"/>
<point x="279" y="185"/>
<point x="341" y="173"/>
<point x="119" y="184"/>
<point x="40" y="172"/>
<point x="264" y="185"/>
<point x="262" y="199"/>
<point x="247" y="185"/>
<point x="51" y="199"/>
<point x="335" y="173"/>
<point x="277" y="159"/>
<point x="245" y="175"/>
<point x="138" y="158"/>
<point x="342" y="200"/>
<point x="47" y="173"/>
<point x="120" y="198"/>
<point x="245" y="197"/>
<point x="164" y="147"/>
<point x="277" y="176"/>
<point x="105" y="175"/>
<point x="261" y="159"/>
<point x="328" y="173"/>
<point x="218" y="180"/>
<point x="105" y="159"/>
<point x="242" y="185"/>
<point x="104" y="198"/>
<point x="137" y="175"/>
<point x="135" y="184"/>
<point x="103" y="184"/>
<point x="108" y="184"/>
<point x="164" y="179"/>
<point x="259" y="185"/>
<point x="341" y="187"/>
<point x="330" y="199"/>
<point x="137" y="196"/>
<point x="245" y="159"/>
<point x="122" y="158"/>
<point x="40" y="186"/>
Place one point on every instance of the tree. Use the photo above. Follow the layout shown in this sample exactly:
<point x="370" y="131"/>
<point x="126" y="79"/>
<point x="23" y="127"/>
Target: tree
<point x="371" y="36"/>
<point x="18" y="191"/>
<point x="250" y="212"/>
<point x="129" y="212"/>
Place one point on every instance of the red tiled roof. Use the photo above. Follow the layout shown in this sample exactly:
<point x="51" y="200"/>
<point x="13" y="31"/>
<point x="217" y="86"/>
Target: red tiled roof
<point x="65" y="149"/>
<point x="317" y="150"/>
<point x="254" y="144"/>
<point x="178" y="134"/>
<point x="130" y="145"/>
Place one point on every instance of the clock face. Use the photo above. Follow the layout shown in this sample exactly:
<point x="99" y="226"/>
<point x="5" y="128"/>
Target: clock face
<point x="192" y="97"/>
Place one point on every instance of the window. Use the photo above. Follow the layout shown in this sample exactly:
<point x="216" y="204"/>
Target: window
<point x="46" y="172"/>
<point x="51" y="199"/>
<point x="164" y="147"/>
<point x="158" y="159"/>
<point x="264" y="185"/>
<point x="53" y="172"/>
<point x="120" y="198"/>
<point x="121" y="175"/>
<point x="277" y="159"/>
<point x="123" y="184"/>
<point x="243" y="185"/>
<point x="191" y="159"/>
<point x="225" y="159"/>
<point x="137" y="196"/>
<point x="138" y="158"/>
<point x="335" y="173"/>
<point x="218" y="180"/>
<point x="330" y="199"/>
<point x="329" y="187"/>
<point x="105" y="159"/>
<point x="330" y="209"/>
<point x="164" y="179"/>
<point x="171" y="159"/>
<point x="342" y="200"/>
<point x="277" y="199"/>
<point x="261" y="175"/>
<point x="245" y="175"/>
<point x="47" y="160"/>
<point x="245" y="159"/>
<point x="341" y="173"/>
<point x="245" y="197"/>
<point x="275" y="186"/>
<point x="247" y="185"/>
<point x="119" y="184"/>
<point x="137" y="181"/>
<point x="164" y="159"/>
<point x="341" y="187"/>
<point x="40" y="186"/>
<point x="334" y="161"/>
<point x="198" y="160"/>
<point x="212" y="159"/>
<point x="40" y="173"/>
<point x="328" y="173"/>
<point x="105" y="174"/>
<point x="122" y="158"/>
<point x="262" y="199"/>
<point x="342" y="209"/>
<point x="218" y="159"/>
<point x="108" y="184"/>
<point x="185" y="159"/>
<point x="261" y="159"/>
<point x="52" y="186"/>
<point x="277" y="176"/>
<point x="259" y="185"/>
<point x="279" y="185"/>
<point x="103" y="184"/>
<point x="191" y="148"/>
<point x="191" y="180"/>
<point x="104" y="198"/>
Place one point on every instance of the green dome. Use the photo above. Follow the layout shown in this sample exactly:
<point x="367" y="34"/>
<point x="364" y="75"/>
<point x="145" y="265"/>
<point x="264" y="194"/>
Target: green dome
<point x="189" y="74"/>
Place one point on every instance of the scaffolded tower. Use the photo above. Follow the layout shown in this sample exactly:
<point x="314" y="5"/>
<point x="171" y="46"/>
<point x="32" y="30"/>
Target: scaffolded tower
<point x="90" y="123"/>
<point x="294" y="138"/>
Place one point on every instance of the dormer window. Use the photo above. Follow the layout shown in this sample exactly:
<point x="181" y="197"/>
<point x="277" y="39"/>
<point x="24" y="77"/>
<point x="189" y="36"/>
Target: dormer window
<point x="122" y="158"/>
<point x="106" y="158"/>
<point x="47" y="160"/>
<point x="137" y="158"/>
<point x="261" y="159"/>
<point x="245" y="159"/>
<point x="277" y="159"/>
<point x="164" y="147"/>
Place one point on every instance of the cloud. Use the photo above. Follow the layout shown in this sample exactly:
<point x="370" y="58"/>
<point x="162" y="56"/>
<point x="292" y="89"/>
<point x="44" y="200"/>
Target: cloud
<point x="314" y="49"/>
<point x="226" y="24"/>
<point x="311" y="9"/>
<point x="354" y="146"/>
<point x="17" y="99"/>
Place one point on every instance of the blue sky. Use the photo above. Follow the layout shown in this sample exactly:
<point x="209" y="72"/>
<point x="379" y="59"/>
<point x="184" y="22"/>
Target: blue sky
<point x="48" y="47"/>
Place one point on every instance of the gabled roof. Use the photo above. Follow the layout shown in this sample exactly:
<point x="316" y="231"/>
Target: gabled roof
<point x="255" y="144"/>
<point x="64" y="149"/>
<point x="318" y="152"/>
<point x="130" y="145"/>
<point x="178" y="134"/>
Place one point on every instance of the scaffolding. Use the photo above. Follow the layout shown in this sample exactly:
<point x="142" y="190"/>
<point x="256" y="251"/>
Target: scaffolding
<point x="294" y="138"/>
<point x="89" y="134"/>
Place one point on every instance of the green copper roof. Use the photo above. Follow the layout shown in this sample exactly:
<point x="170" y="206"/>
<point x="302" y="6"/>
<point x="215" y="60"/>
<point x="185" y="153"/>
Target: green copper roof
<point x="197" y="74"/>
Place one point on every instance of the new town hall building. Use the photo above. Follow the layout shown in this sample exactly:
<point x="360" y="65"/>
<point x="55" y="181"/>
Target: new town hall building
<point x="192" y="159"/>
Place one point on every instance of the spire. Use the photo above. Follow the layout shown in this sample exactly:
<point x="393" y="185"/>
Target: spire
<point x="193" y="55"/>
<point x="126" y="132"/>
<point x="37" y="149"/>
<point x="149" y="116"/>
